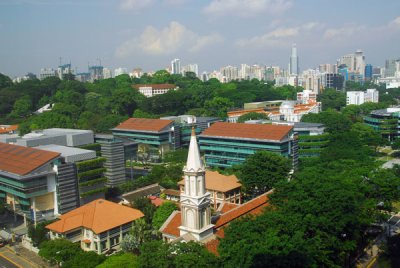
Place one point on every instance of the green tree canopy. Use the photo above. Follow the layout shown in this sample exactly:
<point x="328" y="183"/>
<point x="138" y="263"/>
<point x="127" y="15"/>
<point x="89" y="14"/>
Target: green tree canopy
<point x="251" y="116"/>
<point x="332" y="99"/>
<point x="124" y="260"/>
<point x="262" y="170"/>
<point x="162" y="213"/>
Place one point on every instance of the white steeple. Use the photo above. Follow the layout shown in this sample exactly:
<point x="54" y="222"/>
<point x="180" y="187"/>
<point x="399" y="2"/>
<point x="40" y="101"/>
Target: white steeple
<point x="193" y="163"/>
<point x="195" y="200"/>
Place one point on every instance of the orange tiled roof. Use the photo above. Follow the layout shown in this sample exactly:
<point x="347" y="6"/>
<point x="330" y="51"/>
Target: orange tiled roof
<point x="99" y="215"/>
<point x="155" y="86"/>
<point x="225" y="207"/>
<point x="156" y="200"/>
<point x="219" y="182"/>
<point x="172" y="227"/>
<point x="144" y="124"/>
<point x="249" y="131"/>
<point x="22" y="160"/>
<point x="253" y="207"/>
<point x="172" y="192"/>
<point x="5" y="130"/>
<point x="245" y="111"/>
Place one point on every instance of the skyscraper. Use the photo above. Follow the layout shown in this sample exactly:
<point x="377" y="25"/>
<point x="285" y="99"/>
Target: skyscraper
<point x="176" y="66"/>
<point x="294" y="61"/>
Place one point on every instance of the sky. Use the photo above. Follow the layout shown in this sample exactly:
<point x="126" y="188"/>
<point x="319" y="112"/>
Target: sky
<point x="35" y="34"/>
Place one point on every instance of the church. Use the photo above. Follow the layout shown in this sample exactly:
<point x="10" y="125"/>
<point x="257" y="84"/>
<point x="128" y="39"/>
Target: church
<point x="194" y="221"/>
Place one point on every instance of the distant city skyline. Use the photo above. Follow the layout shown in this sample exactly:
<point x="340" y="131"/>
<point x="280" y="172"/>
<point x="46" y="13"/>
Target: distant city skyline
<point x="151" y="33"/>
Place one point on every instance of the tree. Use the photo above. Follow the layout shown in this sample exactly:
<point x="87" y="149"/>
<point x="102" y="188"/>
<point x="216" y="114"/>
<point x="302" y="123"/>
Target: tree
<point x="334" y="122"/>
<point x="124" y="260"/>
<point x="251" y="116"/>
<point x="218" y="106"/>
<point x="87" y="259"/>
<point x="58" y="251"/>
<point x="22" y="107"/>
<point x="262" y="170"/>
<point x="5" y="81"/>
<point x="162" y="213"/>
<point x="367" y="135"/>
<point x="332" y="99"/>
<point x="39" y="233"/>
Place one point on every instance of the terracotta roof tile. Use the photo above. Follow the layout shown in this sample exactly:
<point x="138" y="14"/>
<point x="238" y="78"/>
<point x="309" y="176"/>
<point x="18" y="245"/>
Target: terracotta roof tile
<point x="171" y="226"/>
<point x="172" y="192"/>
<point x="156" y="201"/>
<point x="225" y="207"/>
<point x="22" y="160"/>
<point x="99" y="215"/>
<point x="219" y="182"/>
<point x="254" y="206"/>
<point x="249" y="131"/>
<point x="144" y="124"/>
<point x="155" y="86"/>
<point x="8" y="129"/>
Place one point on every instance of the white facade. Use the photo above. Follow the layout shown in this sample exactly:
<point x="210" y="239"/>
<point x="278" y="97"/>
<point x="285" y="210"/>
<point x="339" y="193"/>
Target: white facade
<point x="195" y="200"/>
<point x="360" y="97"/>
<point x="176" y="66"/>
<point x="120" y="71"/>
<point x="194" y="68"/>
<point x="306" y="95"/>
<point x="294" y="61"/>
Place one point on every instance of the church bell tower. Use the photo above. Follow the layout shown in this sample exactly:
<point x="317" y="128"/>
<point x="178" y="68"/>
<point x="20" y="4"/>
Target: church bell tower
<point x="195" y="200"/>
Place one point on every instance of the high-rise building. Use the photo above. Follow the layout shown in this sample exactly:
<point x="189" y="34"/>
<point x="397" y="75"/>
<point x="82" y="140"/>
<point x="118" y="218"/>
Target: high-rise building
<point x="107" y="73"/>
<point x="229" y="73"/>
<point x="47" y="72"/>
<point x="294" y="61"/>
<point x="359" y="62"/>
<point x="194" y="68"/>
<point x="120" y="71"/>
<point x="368" y="72"/>
<point x="96" y="72"/>
<point x="176" y="66"/>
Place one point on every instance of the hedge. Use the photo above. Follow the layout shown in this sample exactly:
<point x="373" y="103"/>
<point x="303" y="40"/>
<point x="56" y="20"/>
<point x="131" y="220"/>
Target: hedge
<point x="84" y="176"/>
<point x="95" y="191"/>
<point x="91" y="182"/>
<point x="90" y="164"/>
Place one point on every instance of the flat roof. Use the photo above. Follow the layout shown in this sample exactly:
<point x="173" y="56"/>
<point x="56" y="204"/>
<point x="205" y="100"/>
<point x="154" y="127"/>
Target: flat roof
<point x="247" y="131"/>
<point x="67" y="152"/>
<point x="22" y="160"/>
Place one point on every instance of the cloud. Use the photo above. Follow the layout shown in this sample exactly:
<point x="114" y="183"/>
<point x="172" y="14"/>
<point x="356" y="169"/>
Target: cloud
<point x="279" y="36"/>
<point x="247" y="8"/>
<point x="343" y="32"/>
<point x="166" y="41"/>
<point x="135" y="5"/>
<point x="395" y="22"/>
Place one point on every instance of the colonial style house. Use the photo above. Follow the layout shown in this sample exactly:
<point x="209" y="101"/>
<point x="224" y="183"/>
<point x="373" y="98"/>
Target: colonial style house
<point x="98" y="226"/>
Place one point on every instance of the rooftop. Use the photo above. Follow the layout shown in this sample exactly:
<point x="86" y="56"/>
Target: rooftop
<point x="155" y="86"/>
<point x="75" y="154"/>
<point x="99" y="215"/>
<point x="23" y="160"/>
<point x="144" y="124"/>
<point x="219" y="182"/>
<point x="247" y="131"/>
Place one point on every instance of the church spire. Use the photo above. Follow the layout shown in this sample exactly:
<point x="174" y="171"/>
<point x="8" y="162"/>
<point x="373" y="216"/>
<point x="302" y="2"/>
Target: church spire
<point x="193" y="163"/>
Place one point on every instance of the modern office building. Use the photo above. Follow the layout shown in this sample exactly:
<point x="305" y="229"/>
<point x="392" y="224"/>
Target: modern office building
<point x="96" y="72"/>
<point x="368" y="72"/>
<point x="386" y="121"/>
<point x="29" y="182"/>
<point x="360" y="97"/>
<point x="87" y="171"/>
<point x="294" y="61"/>
<point x="155" y="137"/>
<point x="150" y="90"/>
<point x="228" y="144"/>
<point x="97" y="226"/>
<point x="333" y="80"/>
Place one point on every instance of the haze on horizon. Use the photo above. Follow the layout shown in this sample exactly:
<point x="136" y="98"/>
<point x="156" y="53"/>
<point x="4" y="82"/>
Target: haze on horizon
<point x="34" y="34"/>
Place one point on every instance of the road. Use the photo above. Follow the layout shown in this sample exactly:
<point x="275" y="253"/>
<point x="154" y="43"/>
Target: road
<point x="8" y="259"/>
<point x="4" y="263"/>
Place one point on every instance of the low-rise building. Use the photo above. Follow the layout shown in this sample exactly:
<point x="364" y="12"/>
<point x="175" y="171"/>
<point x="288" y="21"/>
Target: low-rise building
<point x="150" y="90"/>
<point x="154" y="136"/>
<point x="29" y="181"/>
<point x="97" y="226"/>
<point x="228" y="144"/>
<point x="360" y="97"/>
<point x="386" y="121"/>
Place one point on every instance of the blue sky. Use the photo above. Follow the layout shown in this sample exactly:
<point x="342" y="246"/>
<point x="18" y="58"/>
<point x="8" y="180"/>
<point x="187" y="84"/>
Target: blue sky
<point x="213" y="33"/>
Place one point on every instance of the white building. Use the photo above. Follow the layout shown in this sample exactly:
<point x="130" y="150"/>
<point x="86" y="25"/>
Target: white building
<point x="107" y="73"/>
<point x="194" y="68"/>
<point x="176" y="66"/>
<point x="294" y="61"/>
<point x="360" y="97"/>
<point x="120" y="71"/>
<point x="305" y="96"/>
<point x="150" y="90"/>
